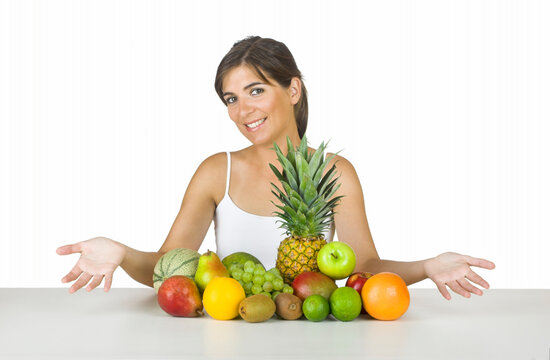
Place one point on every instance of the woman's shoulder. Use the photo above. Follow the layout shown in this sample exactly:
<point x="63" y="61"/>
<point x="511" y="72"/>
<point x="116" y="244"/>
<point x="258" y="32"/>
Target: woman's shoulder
<point x="348" y="178"/>
<point x="219" y="159"/>
<point x="344" y="170"/>
<point x="210" y="176"/>
<point x="342" y="164"/>
<point x="214" y="164"/>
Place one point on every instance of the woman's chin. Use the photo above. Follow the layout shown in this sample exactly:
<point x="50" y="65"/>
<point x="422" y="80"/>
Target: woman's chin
<point x="258" y="138"/>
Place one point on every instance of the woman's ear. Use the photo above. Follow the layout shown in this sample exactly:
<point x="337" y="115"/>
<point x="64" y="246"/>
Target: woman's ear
<point x="295" y="90"/>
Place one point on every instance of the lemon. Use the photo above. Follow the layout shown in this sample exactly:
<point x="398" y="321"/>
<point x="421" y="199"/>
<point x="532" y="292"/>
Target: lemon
<point x="316" y="308"/>
<point x="222" y="297"/>
<point x="345" y="303"/>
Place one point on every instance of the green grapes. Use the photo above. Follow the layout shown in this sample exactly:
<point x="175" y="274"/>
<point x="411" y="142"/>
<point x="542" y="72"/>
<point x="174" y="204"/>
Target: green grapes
<point x="256" y="289"/>
<point x="247" y="277"/>
<point x="267" y="286"/>
<point x="237" y="274"/>
<point x="259" y="271"/>
<point x="249" y="266"/>
<point x="234" y="267"/>
<point x="256" y="280"/>
<point x="278" y="284"/>
<point x="247" y="286"/>
<point x="275" y="272"/>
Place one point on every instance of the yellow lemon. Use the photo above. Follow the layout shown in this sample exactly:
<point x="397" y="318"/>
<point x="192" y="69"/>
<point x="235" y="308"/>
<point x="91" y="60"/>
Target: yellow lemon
<point x="222" y="297"/>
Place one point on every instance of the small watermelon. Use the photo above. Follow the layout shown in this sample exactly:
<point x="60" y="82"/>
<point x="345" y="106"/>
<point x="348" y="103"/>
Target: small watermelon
<point x="240" y="258"/>
<point x="179" y="261"/>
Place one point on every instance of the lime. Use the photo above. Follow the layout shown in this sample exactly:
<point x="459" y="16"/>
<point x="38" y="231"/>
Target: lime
<point x="316" y="308"/>
<point x="345" y="303"/>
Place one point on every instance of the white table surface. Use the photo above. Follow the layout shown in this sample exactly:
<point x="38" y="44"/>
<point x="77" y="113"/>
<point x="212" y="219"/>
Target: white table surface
<point x="128" y="324"/>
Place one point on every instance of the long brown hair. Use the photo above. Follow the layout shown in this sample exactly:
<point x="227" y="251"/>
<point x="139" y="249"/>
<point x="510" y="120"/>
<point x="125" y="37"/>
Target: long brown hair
<point x="267" y="56"/>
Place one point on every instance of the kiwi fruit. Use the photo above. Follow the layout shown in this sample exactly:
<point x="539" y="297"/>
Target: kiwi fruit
<point x="257" y="308"/>
<point x="288" y="306"/>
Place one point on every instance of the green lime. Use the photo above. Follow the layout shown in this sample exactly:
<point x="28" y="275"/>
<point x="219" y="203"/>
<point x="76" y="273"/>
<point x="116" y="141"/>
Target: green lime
<point x="345" y="303"/>
<point x="316" y="308"/>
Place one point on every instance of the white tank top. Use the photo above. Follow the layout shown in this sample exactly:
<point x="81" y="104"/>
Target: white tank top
<point x="238" y="230"/>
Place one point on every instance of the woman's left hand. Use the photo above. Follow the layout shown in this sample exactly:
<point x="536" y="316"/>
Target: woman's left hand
<point x="453" y="270"/>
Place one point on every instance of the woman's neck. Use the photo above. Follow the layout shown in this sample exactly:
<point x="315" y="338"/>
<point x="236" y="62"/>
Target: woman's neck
<point x="265" y="153"/>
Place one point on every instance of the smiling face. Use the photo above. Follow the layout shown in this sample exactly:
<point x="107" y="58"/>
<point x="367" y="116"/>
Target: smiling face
<point x="263" y="112"/>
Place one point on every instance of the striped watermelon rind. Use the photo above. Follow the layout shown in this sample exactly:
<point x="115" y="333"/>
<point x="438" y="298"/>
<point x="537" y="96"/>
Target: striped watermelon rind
<point x="178" y="261"/>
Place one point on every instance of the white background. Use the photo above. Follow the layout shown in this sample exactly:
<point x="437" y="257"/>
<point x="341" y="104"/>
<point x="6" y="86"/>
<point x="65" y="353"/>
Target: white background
<point x="108" y="107"/>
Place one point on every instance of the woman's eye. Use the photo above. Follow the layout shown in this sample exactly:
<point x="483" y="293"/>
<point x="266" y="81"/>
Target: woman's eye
<point x="257" y="91"/>
<point x="230" y="100"/>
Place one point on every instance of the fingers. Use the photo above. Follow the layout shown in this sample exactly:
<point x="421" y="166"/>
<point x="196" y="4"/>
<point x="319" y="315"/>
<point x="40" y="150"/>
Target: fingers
<point x="69" y="249"/>
<point x="72" y="275"/>
<point x="108" y="281"/>
<point x="454" y="271"/>
<point x="95" y="282"/>
<point x="482" y="263"/>
<point x="465" y="284"/>
<point x="85" y="279"/>
<point x="475" y="278"/>
<point x="455" y="286"/>
<point x="460" y="286"/>
<point x="443" y="290"/>
<point x="82" y="280"/>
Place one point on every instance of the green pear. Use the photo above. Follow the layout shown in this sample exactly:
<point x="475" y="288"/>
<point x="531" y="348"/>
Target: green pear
<point x="210" y="266"/>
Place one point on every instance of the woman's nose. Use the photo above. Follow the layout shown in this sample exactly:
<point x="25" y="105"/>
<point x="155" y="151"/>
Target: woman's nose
<point x="245" y="107"/>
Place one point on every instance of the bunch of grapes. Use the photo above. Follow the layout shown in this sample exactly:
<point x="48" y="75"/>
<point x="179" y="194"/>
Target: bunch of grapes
<point x="255" y="280"/>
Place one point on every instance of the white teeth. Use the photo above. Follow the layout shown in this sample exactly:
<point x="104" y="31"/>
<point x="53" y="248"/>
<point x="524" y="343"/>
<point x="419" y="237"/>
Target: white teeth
<point x="257" y="123"/>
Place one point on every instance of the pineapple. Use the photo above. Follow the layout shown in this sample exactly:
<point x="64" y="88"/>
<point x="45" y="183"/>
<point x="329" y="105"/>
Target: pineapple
<point x="307" y="209"/>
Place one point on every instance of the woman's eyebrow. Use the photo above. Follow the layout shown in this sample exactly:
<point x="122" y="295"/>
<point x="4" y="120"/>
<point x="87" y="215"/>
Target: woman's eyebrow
<point x="253" y="84"/>
<point x="246" y="87"/>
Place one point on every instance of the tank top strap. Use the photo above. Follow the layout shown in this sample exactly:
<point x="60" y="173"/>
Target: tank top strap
<point x="228" y="173"/>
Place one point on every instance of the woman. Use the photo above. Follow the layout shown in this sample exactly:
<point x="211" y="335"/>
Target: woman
<point x="260" y="84"/>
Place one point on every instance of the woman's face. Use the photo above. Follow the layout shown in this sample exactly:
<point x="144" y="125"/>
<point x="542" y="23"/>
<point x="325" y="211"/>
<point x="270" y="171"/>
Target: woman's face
<point x="263" y="112"/>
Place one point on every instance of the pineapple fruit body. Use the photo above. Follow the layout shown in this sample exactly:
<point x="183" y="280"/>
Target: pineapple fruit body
<point x="306" y="208"/>
<point x="296" y="255"/>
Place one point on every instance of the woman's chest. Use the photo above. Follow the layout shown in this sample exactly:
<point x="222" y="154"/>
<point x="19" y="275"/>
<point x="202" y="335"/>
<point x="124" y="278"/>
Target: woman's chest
<point x="251" y="190"/>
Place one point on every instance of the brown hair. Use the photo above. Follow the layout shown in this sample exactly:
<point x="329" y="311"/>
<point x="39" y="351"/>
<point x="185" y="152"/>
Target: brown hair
<point x="273" y="58"/>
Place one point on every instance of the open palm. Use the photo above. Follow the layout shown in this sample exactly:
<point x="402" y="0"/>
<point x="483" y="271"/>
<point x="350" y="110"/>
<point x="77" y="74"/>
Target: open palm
<point x="99" y="258"/>
<point x="454" y="270"/>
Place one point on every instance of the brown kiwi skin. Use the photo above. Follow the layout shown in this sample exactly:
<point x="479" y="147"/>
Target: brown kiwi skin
<point x="289" y="307"/>
<point x="257" y="308"/>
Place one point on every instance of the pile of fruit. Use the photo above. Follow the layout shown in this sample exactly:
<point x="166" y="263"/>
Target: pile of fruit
<point x="303" y="281"/>
<point x="188" y="283"/>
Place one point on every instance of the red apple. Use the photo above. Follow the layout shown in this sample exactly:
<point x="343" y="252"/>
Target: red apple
<point x="356" y="281"/>
<point x="313" y="283"/>
<point x="179" y="296"/>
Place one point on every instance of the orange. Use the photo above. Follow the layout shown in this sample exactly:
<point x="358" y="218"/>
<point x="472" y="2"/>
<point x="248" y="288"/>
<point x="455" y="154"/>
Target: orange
<point x="222" y="297"/>
<point x="385" y="296"/>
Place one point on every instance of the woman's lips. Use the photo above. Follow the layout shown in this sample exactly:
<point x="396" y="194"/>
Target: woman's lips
<point x="255" y="126"/>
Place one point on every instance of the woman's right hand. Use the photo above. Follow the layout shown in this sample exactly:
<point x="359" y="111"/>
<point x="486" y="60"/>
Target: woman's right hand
<point x="99" y="258"/>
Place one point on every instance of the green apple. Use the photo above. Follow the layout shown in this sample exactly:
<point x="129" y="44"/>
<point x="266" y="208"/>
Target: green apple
<point x="336" y="260"/>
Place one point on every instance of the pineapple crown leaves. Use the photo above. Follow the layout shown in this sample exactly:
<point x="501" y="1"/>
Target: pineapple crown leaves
<point x="305" y="206"/>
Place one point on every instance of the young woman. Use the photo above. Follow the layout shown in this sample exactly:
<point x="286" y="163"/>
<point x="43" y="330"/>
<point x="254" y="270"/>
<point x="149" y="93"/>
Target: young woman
<point x="260" y="84"/>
